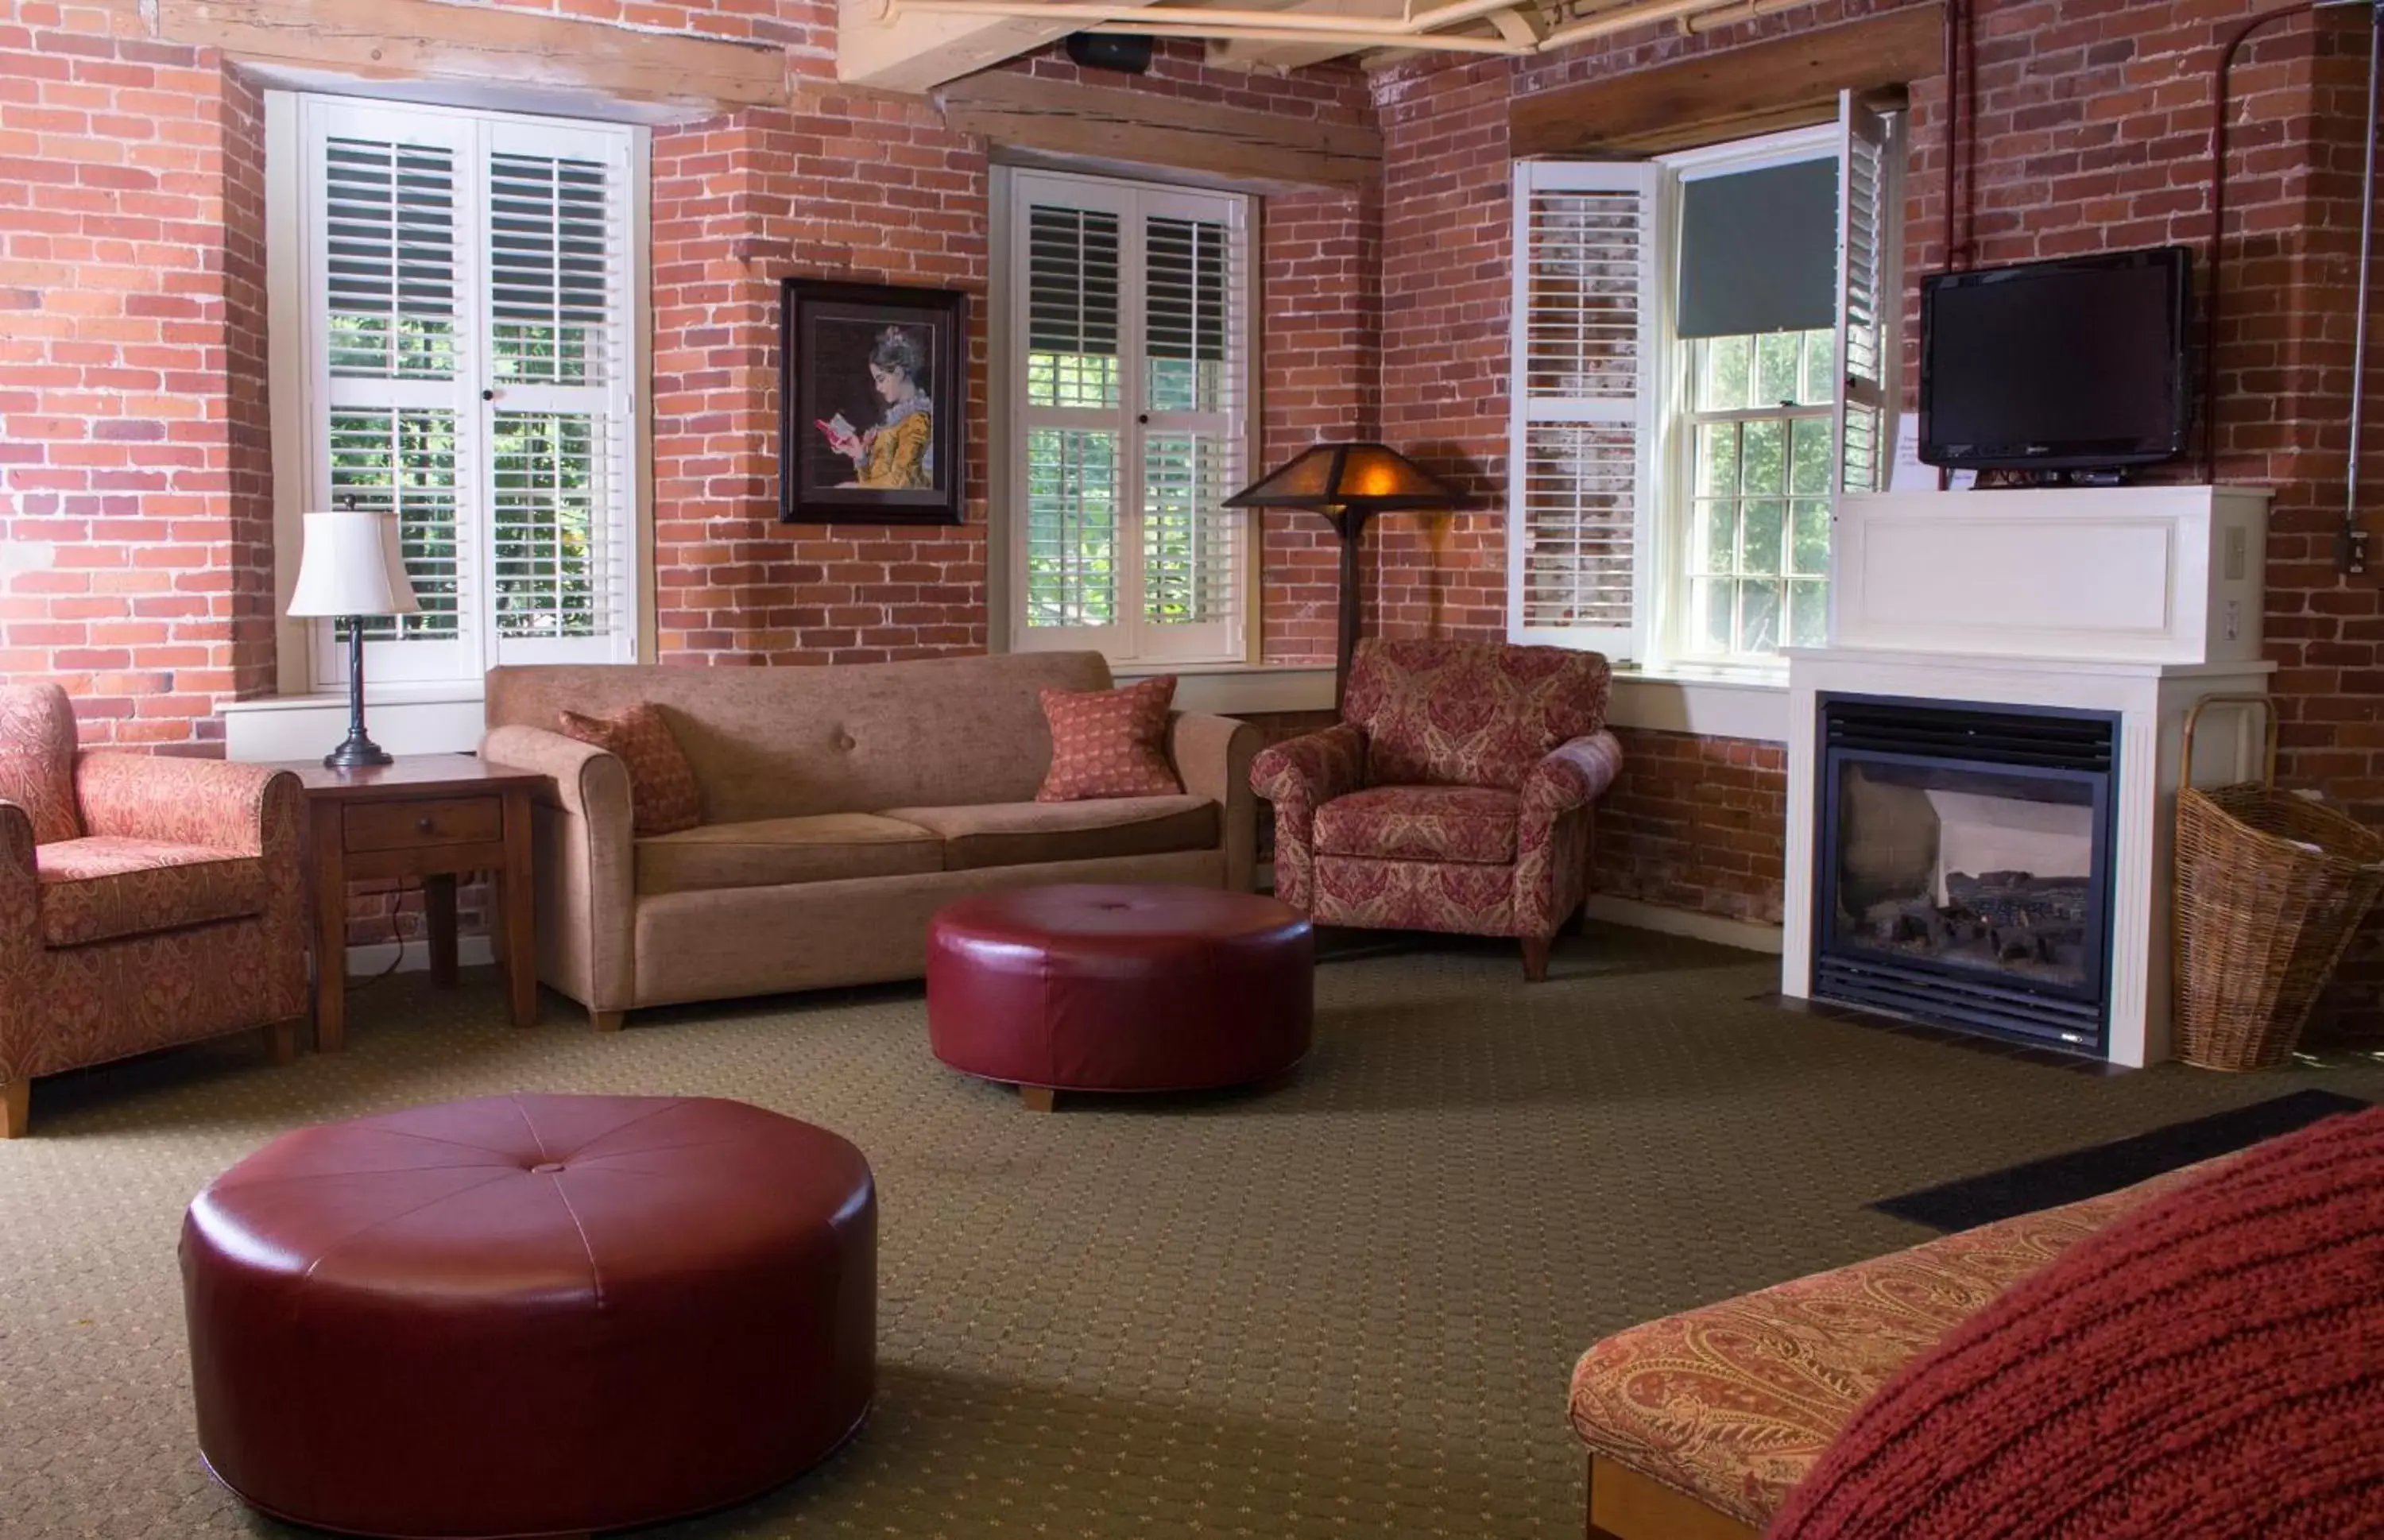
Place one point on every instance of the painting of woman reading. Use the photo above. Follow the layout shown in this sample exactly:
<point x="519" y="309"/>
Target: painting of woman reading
<point x="863" y="439"/>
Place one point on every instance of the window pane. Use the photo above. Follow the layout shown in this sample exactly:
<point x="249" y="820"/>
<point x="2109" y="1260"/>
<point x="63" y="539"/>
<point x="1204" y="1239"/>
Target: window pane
<point x="1071" y="527"/>
<point x="1071" y="307"/>
<point x="1724" y="373"/>
<point x="1718" y="536"/>
<point x="1777" y="356"/>
<point x="1820" y="367"/>
<point x="387" y="459"/>
<point x="1711" y="604"/>
<point x="390" y="259"/>
<point x="547" y="469"/>
<point x="1809" y="611"/>
<point x="1761" y="445"/>
<point x="1717" y="459"/>
<point x="1809" y="471"/>
<point x="1810" y="546"/>
<point x="548" y="300"/>
<point x="1758" y="616"/>
<point x="1759" y="550"/>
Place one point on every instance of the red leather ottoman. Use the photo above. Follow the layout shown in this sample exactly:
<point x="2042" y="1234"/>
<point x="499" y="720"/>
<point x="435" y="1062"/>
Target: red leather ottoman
<point x="530" y="1315"/>
<point x="1119" y="988"/>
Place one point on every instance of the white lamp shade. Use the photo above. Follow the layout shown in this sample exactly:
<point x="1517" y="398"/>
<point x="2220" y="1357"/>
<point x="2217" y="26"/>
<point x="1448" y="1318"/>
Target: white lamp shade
<point x="351" y="566"/>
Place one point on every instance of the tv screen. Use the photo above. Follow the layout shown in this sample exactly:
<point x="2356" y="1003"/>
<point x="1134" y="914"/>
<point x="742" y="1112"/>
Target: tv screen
<point x="2065" y="365"/>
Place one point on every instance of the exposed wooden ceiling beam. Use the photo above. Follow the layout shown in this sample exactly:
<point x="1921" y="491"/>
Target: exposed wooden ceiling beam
<point x="1280" y="58"/>
<point x="920" y="53"/>
<point x="420" y="40"/>
<point x="1101" y="125"/>
<point x="1722" y="94"/>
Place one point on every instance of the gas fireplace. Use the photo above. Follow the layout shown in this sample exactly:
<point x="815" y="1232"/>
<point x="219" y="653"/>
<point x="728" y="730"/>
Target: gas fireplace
<point x="1963" y="865"/>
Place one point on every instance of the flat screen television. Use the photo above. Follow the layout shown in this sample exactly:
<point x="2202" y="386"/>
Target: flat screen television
<point x="2068" y="364"/>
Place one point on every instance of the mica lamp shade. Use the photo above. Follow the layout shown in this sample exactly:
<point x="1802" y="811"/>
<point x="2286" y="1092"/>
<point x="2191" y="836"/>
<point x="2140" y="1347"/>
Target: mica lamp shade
<point x="1367" y="479"/>
<point x="1348" y="484"/>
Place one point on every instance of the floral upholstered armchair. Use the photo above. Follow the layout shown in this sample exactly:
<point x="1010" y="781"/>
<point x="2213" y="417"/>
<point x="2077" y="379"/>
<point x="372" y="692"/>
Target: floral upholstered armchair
<point x="144" y="902"/>
<point x="1454" y="794"/>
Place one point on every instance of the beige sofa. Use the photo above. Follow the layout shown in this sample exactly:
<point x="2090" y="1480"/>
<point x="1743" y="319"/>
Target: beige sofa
<point x="843" y="806"/>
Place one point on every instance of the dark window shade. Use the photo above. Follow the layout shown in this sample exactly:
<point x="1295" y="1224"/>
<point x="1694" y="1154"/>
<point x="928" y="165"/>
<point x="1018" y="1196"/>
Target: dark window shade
<point x="1072" y="282"/>
<point x="1759" y="251"/>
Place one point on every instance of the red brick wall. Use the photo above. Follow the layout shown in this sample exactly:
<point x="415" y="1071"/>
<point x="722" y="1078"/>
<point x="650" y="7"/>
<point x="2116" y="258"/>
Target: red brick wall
<point x="135" y="498"/>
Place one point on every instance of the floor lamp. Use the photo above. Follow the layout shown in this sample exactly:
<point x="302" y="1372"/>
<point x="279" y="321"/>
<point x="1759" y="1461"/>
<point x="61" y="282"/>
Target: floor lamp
<point x="1348" y="484"/>
<point x="349" y="568"/>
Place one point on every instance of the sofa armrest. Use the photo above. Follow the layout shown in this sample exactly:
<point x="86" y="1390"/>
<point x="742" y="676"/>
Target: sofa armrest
<point x="1298" y="777"/>
<point x="1575" y="773"/>
<point x="586" y="864"/>
<point x="1211" y="756"/>
<point x="219" y="804"/>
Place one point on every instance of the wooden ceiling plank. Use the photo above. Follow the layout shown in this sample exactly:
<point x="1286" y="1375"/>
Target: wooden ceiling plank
<point x="1778" y="83"/>
<point x="421" y="40"/>
<point x="921" y="52"/>
<point x="1099" y="123"/>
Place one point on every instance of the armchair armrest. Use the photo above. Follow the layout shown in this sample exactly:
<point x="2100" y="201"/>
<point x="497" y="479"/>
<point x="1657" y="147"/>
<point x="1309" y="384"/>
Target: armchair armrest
<point x="219" y="804"/>
<point x="1298" y="777"/>
<point x="1211" y="756"/>
<point x="1575" y="773"/>
<point x="585" y="859"/>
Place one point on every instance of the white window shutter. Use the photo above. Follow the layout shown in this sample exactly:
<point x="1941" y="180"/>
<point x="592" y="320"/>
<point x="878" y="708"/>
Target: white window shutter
<point x="1581" y="464"/>
<point x="1871" y="288"/>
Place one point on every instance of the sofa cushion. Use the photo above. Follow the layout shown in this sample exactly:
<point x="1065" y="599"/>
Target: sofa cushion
<point x="1027" y="834"/>
<point x="1108" y="742"/>
<point x="103" y="886"/>
<point x="664" y="797"/>
<point x="768" y="852"/>
<point x="2211" y="1364"/>
<point x="1734" y="1402"/>
<point x="1474" y="824"/>
<point x="37" y="753"/>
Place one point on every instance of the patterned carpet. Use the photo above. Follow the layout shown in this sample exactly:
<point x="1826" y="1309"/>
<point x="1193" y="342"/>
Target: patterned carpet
<point x="1344" y="1306"/>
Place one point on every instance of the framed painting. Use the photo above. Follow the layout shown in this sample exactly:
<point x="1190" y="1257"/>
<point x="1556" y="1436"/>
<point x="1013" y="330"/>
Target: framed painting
<point x="874" y="387"/>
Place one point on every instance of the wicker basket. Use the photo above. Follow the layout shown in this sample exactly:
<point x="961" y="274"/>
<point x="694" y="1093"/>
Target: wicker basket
<point x="2271" y="888"/>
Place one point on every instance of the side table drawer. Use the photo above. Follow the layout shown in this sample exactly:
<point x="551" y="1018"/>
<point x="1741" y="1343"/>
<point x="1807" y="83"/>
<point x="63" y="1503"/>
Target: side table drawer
<point x="403" y="825"/>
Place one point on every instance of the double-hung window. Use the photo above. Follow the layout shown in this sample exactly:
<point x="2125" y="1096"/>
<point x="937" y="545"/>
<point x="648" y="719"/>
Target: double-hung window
<point x="454" y="293"/>
<point x="1125" y="382"/>
<point x="1704" y="353"/>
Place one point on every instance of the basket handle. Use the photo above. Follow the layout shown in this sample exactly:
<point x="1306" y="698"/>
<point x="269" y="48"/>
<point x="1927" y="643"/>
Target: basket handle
<point x="2268" y="712"/>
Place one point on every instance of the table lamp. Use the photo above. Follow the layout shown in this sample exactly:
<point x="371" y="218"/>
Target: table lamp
<point x="1348" y="483"/>
<point x="350" y="570"/>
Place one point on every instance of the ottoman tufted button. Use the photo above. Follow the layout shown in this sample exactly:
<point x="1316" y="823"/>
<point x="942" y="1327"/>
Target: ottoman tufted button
<point x="546" y="1169"/>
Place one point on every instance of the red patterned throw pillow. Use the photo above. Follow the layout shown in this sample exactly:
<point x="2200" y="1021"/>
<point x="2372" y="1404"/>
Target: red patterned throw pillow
<point x="663" y="798"/>
<point x="1110" y="742"/>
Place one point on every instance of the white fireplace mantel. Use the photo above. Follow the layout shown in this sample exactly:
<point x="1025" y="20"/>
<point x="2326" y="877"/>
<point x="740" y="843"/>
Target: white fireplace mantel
<point x="2133" y="600"/>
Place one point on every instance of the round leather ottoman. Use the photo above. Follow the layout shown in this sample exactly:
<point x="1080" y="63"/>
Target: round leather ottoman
<point x="1119" y="988"/>
<point x="530" y="1315"/>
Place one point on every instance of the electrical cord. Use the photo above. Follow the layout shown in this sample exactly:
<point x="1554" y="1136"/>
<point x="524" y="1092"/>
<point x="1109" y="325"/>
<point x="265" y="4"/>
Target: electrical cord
<point x="397" y="934"/>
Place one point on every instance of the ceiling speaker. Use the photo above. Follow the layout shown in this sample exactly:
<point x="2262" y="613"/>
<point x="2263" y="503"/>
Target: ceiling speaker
<point x="1129" y="52"/>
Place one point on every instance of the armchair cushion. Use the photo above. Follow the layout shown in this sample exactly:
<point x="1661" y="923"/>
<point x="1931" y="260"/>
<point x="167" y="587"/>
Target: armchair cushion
<point x="107" y="886"/>
<point x="1471" y="823"/>
<point x="1469" y="713"/>
<point x="37" y="752"/>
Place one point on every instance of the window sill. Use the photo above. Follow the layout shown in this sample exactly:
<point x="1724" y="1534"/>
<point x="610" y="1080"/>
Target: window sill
<point x="1236" y="688"/>
<point x="1709" y="702"/>
<point x="404" y="719"/>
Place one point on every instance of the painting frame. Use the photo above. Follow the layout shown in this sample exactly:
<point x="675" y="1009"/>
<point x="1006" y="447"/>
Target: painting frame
<point x="842" y="348"/>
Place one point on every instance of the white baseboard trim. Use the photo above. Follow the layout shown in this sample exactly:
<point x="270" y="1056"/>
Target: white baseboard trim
<point x="471" y="951"/>
<point x="1747" y="935"/>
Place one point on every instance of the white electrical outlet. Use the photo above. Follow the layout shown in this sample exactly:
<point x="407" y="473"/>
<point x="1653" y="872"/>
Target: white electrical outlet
<point x="2232" y="623"/>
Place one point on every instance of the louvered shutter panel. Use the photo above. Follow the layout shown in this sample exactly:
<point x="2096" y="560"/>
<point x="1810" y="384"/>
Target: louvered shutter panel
<point x="1870" y="258"/>
<point x="1073" y="390"/>
<point x="1192" y="436"/>
<point x="1581" y="461"/>
<point x="389" y="193"/>
<point x="560" y="426"/>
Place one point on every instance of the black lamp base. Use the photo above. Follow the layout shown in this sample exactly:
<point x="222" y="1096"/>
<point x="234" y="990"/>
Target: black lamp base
<point x="359" y="752"/>
<point x="356" y="753"/>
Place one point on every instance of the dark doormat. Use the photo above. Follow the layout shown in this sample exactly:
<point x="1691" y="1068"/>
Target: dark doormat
<point x="2082" y="1173"/>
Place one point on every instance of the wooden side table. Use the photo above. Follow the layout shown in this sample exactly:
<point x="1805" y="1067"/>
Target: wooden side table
<point x="433" y="816"/>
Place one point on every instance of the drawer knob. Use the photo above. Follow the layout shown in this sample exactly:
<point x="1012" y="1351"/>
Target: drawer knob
<point x="423" y="826"/>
